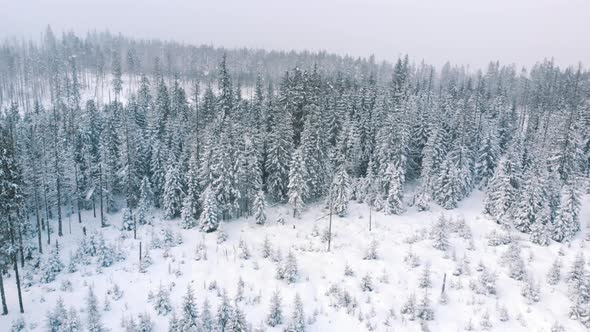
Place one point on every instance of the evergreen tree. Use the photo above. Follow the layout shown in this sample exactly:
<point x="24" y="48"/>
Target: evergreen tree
<point x="93" y="320"/>
<point x="275" y="317"/>
<point x="340" y="191"/>
<point x="259" y="208"/>
<point x="394" y="194"/>
<point x="189" y="320"/>
<point x="208" y="220"/>
<point x="298" y="317"/>
<point x="568" y="221"/>
<point x="297" y="183"/>
<point x="172" y="199"/>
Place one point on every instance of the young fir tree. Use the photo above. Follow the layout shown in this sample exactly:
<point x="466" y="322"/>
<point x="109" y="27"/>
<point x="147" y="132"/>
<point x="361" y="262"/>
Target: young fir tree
<point x="189" y="320"/>
<point x="275" y="317"/>
<point x="207" y="323"/>
<point x="259" y="208"/>
<point x="297" y="183"/>
<point x="93" y="315"/>
<point x="56" y="317"/>
<point x="224" y="313"/>
<point x="298" y="317"/>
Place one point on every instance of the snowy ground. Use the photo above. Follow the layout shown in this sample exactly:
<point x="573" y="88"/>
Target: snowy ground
<point x="319" y="270"/>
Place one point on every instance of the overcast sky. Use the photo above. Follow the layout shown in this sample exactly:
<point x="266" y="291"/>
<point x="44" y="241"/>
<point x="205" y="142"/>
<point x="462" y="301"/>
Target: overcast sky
<point x="463" y="31"/>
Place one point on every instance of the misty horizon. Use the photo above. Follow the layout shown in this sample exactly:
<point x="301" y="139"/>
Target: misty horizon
<point x="458" y="31"/>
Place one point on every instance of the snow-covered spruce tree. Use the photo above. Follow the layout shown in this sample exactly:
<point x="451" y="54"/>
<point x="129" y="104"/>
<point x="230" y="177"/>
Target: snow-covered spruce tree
<point x="225" y="313"/>
<point x="423" y="309"/>
<point x="568" y="220"/>
<point x="424" y="280"/>
<point x="576" y="274"/>
<point x="447" y="186"/>
<point x="161" y="301"/>
<point x="513" y="260"/>
<point x="189" y="320"/>
<point x="208" y="220"/>
<point x="127" y="220"/>
<point x="530" y="201"/>
<point x="190" y="204"/>
<point x="52" y="267"/>
<point x="290" y="269"/>
<point x="408" y="309"/>
<point x="72" y="322"/>
<point x="340" y="191"/>
<point x="487" y="158"/>
<point x="145" y="323"/>
<point x="530" y="290"/>
<point x="580" y="307"/>
<point x="238" y="321"/>
<point x="266" y="251"/>
<point x="93" y="315"/>
<point x="173" y="193"/>
<point x="297" y="182"/>
<point x="207" y="322"/>
<point x="371" y="253"/>
<point x="554" y="274"/>
<point x="259" y="208"/>
<point x="279" y="146"/>
<point x="297" y="323"/>
<point x="275" y="317"/>
<point x="146" y="202"/>
<point x="440" y="234"/>
<point x="394" y="185"/>
<point x="56" y="317"/>
<point x="367" y="283"/>
<point x="173" y="323"/>
<point x="501" y="192"/>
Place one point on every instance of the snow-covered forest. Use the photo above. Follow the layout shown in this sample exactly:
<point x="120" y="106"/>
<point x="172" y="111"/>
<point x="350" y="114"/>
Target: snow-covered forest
<point x="149" y="185"/>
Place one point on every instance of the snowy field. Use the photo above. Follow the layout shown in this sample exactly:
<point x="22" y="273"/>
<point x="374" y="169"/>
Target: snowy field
<point x="371" y="295"/>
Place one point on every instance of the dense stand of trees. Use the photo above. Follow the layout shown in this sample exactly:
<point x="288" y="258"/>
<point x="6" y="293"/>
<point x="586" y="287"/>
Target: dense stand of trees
<point x="178" y="134"/>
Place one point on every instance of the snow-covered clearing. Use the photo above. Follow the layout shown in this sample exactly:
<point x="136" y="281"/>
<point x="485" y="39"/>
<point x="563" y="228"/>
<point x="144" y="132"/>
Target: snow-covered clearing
<point x="332" y="300"/>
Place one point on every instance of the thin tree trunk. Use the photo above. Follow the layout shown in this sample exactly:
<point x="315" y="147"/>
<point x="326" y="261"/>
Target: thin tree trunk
<point x="102" y="224"/>
<point x="78" y="200"/>
<point x="39" y="224"/>
<point x="3" y="295"/>
<point x="16" y="274"/>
